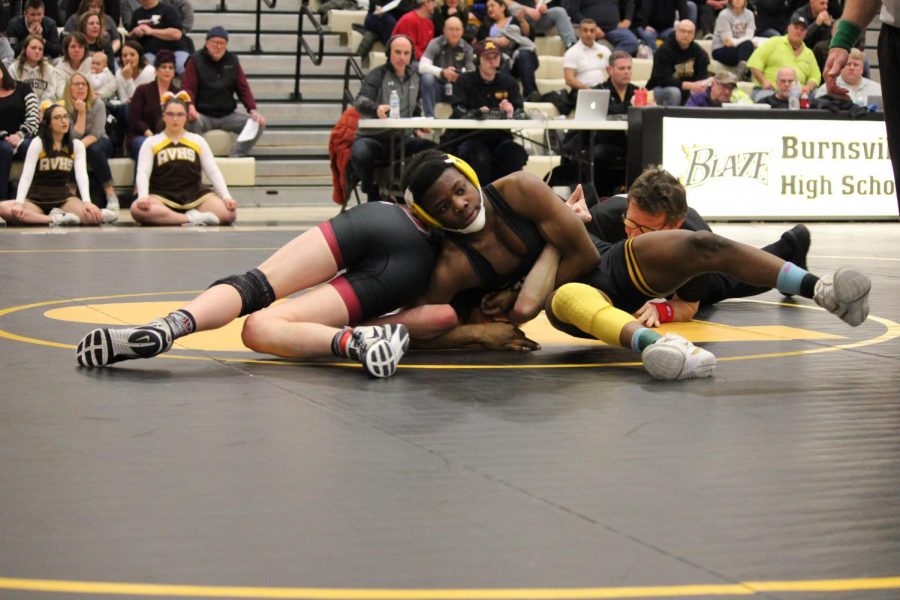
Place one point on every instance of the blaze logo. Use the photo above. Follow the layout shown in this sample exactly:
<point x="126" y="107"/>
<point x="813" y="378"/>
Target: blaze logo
<point x="705" y="164"/>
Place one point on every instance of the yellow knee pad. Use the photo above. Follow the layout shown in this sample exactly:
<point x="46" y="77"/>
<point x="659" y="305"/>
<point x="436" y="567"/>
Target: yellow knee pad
<point x="589" y="310"/>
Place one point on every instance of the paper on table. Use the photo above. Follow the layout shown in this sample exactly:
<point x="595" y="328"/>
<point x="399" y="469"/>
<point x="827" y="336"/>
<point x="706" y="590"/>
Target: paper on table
<point x="251" y="128"/>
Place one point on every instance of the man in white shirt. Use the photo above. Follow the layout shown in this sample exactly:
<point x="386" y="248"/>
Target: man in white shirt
<point x="584" y="64"/>
<point x="852" y="80"/>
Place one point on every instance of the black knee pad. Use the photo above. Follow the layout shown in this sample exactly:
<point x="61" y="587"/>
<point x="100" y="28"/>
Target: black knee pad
<point x="254" y="288"/>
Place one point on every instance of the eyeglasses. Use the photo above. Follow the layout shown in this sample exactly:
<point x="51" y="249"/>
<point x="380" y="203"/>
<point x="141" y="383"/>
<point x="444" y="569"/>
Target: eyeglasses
<point x="632" y="225"/>
<point x="62" y="117"/>
<point x="175" y="115"/>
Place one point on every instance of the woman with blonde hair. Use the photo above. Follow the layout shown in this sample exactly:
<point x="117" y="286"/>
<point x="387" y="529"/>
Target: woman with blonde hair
<point x="169" y="175"/>
<point x="33" y="68"/>
<point x="43" y="196"/>
<point x="88" y="114"/>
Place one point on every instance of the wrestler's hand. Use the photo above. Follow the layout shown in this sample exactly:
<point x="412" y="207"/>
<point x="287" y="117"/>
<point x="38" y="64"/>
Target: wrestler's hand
<point x="577" y="203"/>
<point x="837" y="59"/>
<point x="91" y="214"/>
<point x="506" y="336"/>
<point x="647" y="315"/>
<point x="499" y="302"/>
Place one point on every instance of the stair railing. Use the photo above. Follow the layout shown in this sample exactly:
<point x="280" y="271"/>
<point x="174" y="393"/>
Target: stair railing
<point x="351" y="67"/>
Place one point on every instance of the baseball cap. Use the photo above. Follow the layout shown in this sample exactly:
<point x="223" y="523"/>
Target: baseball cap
<point x="798" y="19"/>
<point x="218" y="32"/>
<point x="486" y="47"/>
<point x="726" y="78"/>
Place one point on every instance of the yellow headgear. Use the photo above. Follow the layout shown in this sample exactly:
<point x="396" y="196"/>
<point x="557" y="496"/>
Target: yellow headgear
<point x="461" y="166"/>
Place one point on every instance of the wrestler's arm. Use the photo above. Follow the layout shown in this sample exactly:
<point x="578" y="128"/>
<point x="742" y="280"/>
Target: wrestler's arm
<point x="560" y="227"/>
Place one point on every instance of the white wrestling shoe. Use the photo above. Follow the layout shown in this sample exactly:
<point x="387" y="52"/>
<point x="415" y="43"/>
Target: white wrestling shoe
<point x="108" y="216"/>
<point x="63" y="219"/>
<point x="201" y="219"/>
<point x="106" y="346"/>
<point x="845" y="293"/>
<point x="379" y="348"/>
<point x="674" y="357"/>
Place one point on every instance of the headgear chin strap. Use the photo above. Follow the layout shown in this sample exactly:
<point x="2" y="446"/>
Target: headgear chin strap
<point x="469" y="173"/>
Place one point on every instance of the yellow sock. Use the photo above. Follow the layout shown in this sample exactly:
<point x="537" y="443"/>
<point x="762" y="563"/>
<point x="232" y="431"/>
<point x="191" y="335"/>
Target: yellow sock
<point x="590" y="311"/>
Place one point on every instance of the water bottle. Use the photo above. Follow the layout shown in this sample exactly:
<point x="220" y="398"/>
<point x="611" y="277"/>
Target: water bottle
<point x="448" y="89"/>
<point x="395" y="105"/>
<point x="794" y="99"/>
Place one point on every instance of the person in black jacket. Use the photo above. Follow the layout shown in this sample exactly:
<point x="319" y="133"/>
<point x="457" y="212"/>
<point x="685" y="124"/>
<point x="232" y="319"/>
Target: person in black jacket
<point x="680" y="67"/>
<point x="487" y="92"/>
<point x="612" y="17"/>
<point x="34" y="22"/>
<point x="212" y="77"/>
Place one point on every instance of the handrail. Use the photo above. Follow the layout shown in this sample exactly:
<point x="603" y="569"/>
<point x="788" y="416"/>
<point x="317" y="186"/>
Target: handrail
<point x="257" y="48"/>
<point x="346" y="95"/>
<point x="304" y="46"/>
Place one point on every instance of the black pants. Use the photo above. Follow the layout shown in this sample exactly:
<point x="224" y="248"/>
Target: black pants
<point x="889" y="68"/>
<point x="492" y="156"/>
<point x="367" y="152"/>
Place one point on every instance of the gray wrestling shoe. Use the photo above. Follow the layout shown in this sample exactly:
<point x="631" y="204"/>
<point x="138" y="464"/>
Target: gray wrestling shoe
<point x="63" y="219"/>
<point x="379" y="348"/>
<point x="673" y="357"/>
<point x="106" y="346"/>
<point x="845" y="293"/>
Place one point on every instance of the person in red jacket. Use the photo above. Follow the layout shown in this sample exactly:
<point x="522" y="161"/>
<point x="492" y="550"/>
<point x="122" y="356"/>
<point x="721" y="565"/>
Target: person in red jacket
<point x="417" y="25"/>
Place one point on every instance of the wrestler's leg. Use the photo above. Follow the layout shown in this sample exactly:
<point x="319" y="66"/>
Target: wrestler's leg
<point x="667" y="259"/>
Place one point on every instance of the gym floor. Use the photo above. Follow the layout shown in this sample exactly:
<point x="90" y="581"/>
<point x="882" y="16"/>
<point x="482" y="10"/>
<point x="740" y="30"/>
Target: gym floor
<point x="214" y="472"/>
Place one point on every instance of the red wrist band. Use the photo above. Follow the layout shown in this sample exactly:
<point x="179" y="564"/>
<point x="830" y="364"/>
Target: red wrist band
<point x="665" y="310"/>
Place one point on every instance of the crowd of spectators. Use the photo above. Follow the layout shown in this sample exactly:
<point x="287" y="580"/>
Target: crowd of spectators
<point x="73" y="54"/>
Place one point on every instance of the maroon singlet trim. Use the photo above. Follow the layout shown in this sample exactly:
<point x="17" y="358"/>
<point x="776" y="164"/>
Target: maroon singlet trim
<point x="351" y="300"/>
<point x="331" y="239"/>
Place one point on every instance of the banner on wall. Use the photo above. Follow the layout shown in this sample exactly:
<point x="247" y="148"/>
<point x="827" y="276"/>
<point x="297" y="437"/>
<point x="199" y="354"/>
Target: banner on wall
<point x="781" y="167"/>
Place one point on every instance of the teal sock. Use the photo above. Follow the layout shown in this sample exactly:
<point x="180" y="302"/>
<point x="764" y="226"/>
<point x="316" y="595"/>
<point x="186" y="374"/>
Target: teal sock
<point x="794" y="280"/>
<point x="642" y="338"/>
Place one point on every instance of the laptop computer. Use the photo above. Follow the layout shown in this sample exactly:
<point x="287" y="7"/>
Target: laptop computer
<point x="592" y="105"/>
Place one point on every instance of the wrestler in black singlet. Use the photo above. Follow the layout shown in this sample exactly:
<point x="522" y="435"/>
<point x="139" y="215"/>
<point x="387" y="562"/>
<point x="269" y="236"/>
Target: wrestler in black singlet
<point x="388" y="255"/>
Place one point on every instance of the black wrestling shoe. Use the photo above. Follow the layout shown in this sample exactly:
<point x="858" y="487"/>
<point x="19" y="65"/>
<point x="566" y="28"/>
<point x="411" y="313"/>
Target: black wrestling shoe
<point x="106" y="346"/>
<point x="799" y="239"/>
<point x="379" y="348"/>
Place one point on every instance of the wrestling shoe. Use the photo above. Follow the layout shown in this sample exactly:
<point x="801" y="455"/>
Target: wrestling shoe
<point x="63" y="219"/>
<point x="845" y="293"/>
<point x="799" y="239"/>
<point x="379" y="348"/>
<point x="106" y="346"/>
<point x="108" y="215"/>
<point x="673" y="357"/>
<point x="201" y="219"/>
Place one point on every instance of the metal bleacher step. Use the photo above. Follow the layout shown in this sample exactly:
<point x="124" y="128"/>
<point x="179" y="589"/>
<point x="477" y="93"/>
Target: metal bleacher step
<point x="242" y="40"/>
<point x="261" y="65"/>
<point x="293" y="142"/>
<point x="293" y="172"/>
<point x="275" y="194"/>
<point x="312" y="87"/>
<point x="284" y="113"/>
<point x="208" y="6"/>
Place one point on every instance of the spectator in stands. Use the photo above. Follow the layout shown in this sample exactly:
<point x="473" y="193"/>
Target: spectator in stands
<point x="96" y="38"/>
<point x="417" y="25"/>
<point x="707" y="12"/>
<point x="109" y="25"/>
<point x="585" y="63"/>
<point x="111" y="8"/>
<point x="380" y="22"/>
<point x="542" y="18"/>
<point x="74" y="60"/>
<point x="773" y="16"/>
<point x="720" y="89"/>
<point x="679" y="67"/>
<point x="785" y="51"/>
<point x="88" y="117"/>
<point x="213" y="77"/>
<point x="135" y="71"/>
<point x="370" y="147"/>
<point x="102" y="80"/>
<point x="43" y="196"/>
<point x="852" y="80"/>
<point x="452" y="8"/>
<point x="159" y="27"/>
<point x="483" y="93"/>
<point x="7" y="54"/>
<point x="610" y="147"/>
<point x="445" y="59"/>
<point x="9" y="10"/>
<point x="33" y="68"/>
<point x="783" y="83"/>
<point x="656" y="19"/>
<point x="613" y="21"/>
<point x="33" y="22"/>
<point x="144" y="115"/>
<point x="732" y="42"/>
<point x="169" y="176"/>
<point x="330" y="5"/>
<point x="184" y="8"/>
<point x="519" y="52"/>
<point x="821" y="15"/>
<point x="18" y="116"/>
